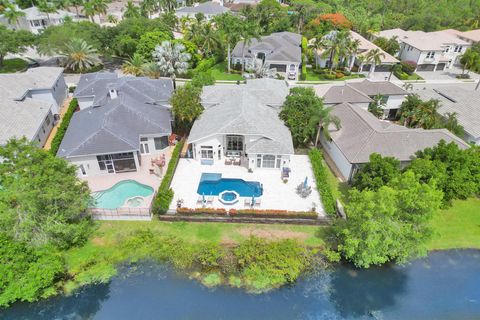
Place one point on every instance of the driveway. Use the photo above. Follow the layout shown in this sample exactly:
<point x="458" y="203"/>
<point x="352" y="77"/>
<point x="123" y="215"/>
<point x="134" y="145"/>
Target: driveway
<point x="448" y="74"/>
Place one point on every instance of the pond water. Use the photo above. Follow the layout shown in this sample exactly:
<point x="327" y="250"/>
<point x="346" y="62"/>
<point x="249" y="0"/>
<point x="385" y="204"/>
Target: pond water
<point x="446" y="285"/>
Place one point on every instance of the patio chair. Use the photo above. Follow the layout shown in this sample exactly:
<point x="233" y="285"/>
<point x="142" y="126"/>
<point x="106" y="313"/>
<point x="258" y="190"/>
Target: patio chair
<point x="247" y="202"/>
<point x="200" y="200"/>
<point x="228" y="161"/>
<point x="236" y="162"/>
<point x="258" y="202"/>
<point x="209" y="200"/>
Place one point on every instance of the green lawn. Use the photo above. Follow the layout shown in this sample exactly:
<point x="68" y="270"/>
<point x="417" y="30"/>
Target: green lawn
<point x="219" y="72"/>
<point x="110" y="232"/>
<point x="13" y="65"/>
<point x="312" y="76"/>
<point x="458" y="226"/>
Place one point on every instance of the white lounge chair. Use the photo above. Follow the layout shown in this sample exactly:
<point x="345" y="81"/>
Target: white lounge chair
<point x="200" y="200"/>
<point x="247" y="202"/>
<point x="258" y="202"/>
<point x="209" y="200"/>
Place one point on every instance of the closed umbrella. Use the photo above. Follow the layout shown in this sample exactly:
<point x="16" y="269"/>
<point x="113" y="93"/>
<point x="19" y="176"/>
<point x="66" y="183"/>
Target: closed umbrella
<point x="253" y="200"/>
<point x="305" y="183"/>
<point x="203" y="197"/>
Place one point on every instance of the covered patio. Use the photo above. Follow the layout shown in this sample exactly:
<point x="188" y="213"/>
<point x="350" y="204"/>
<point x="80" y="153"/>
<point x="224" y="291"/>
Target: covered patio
<point x="277" y="194"/>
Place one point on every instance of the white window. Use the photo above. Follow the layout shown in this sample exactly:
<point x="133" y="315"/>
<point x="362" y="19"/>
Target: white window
<point x="458" y="49"/>
<point x="160" y="142"/>
<point x="447" y="49"/>
<point x="268" y="161"/>
<point x="430" y="54"/>
<point x="206" y="152"/>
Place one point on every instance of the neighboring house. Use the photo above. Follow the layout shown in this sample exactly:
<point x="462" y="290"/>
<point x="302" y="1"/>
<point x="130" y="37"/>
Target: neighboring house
<point x="362" y="134"/>
<point x="281" y="50"/>
<point x="35" y="21"/>
<point x="241" y="123"/>
<point x="209" y="9"/>
<point x="358" y="59"/>
<point x="472" y="36"/>
<point x="364" y="93"/>
<point x="121" y="120"/>
<point x="465" y="103"/>
<point x="29" y="102"/>
<point x="431" y="51"/>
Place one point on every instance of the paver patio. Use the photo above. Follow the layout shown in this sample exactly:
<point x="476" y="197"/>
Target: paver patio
<point x="276" y="194"/>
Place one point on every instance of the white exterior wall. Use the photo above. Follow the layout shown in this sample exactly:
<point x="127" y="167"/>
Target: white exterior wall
<point x="214" y="142"/>
<point x="44" y="130"/>
<point x="412" y="55"/>
<point x="84" y="102"/>
<point x="151" y="143"/>
<point x="341" y="162"/>
<point x="394" y="102"/>
<point x="90" y="164"/>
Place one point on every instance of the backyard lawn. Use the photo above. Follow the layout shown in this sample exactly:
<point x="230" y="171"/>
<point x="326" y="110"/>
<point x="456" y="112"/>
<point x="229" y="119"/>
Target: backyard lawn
<point x="219" y="72"/>
<point x="13" y="65"/>
<point x="458" y="226"/>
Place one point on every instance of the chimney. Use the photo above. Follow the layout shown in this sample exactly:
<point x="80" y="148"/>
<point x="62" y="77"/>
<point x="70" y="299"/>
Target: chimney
<point x="113" y="93"/>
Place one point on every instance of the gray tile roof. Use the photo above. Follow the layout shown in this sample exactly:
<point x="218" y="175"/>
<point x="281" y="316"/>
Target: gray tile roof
<point x="116" y="125"/>
<point x="244" y="113"/>
<point x="359" y="92"/>
<point x="280" y="46"/>
<point x="362" y="134"/>
<point x="456" y="98"/>
<point x="209" y="8"/>
<point x="19" y="115"/>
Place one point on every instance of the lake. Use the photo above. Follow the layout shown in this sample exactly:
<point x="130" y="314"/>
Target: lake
<point x="445" y="285"/>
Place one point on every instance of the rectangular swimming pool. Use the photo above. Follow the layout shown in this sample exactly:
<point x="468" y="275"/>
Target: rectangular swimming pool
<point x="213" y="184"/>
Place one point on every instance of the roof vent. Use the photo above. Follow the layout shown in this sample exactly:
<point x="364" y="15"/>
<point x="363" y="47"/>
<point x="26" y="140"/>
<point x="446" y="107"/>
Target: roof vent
<point x="113" y="94"/>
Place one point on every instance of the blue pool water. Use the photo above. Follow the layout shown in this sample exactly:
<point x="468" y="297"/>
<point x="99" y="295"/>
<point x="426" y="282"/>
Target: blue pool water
<point x="213" y="184"/>
<point x="116" y="196"/>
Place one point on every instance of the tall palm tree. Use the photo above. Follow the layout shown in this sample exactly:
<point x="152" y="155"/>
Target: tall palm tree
<point x="76" y="4"/>
<point x="208" y="39"/>
<point x="78" y="55"/>
<point x="230" y="27"/>
<point x="112" y="19"/>
<point x="168" y="5"/>
<point x="322" y="119"/>
<point x="12" y="14"/>
<point x="374" y="57"/>
<point x="250" y="30"/>
<point x="172" y="59"/>
<point x="47" y="8"/>
<point x="147" y="7"/>
<point x="89" y="10"/>
<point x="334" y="46"/>
<point x="131" y="11"/>
<point x="100" y="7"/>
<point x="470" y="60"/>
<point x="134" y="66"/>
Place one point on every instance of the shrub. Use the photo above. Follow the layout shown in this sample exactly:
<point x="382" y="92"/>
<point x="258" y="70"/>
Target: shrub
<point x="330" y="76"/>
<point x="203" y="79"/>
<point x="164" y="196"/>
<point x="254" y="213"/>
<point x="323" y="187"/>
<point x="71" y="89"/>
<point x="57" y="140"/>
<point x="339" y="75"/>
<point x="205" y="65"/>
<point x="202" y="211"/>
<point x="408" y="67"/>
<point x="463" y="76"/>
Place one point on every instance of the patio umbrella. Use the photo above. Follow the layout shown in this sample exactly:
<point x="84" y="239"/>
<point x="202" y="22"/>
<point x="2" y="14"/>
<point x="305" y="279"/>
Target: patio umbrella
<point x="305" y="183"/>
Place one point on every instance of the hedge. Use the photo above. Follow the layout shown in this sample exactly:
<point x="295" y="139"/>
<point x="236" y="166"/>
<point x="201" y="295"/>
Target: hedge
<point x="57" y="140"/>
<point x="205" y="65"/>
<point x="250" y="213"/>
<point x="164" y="195"/>
<point x="303" y="75"/>
<point x="323" y="187"/>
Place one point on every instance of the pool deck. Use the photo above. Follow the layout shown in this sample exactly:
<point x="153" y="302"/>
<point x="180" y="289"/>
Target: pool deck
<point x="142" y="175"/>
<point x="276" y="194"/>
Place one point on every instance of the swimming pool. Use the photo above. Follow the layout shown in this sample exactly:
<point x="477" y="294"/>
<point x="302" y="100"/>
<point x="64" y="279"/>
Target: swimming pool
<point x="116" y="196"/>
<point x="214" y="184"/>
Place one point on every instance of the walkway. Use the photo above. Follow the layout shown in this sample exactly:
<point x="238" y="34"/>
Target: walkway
<point x="63" y="110"/>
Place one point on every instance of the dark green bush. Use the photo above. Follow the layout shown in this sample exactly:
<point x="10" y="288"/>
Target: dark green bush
<point x="323" y="187"/>
<point x="57" y="140"/>
<point x="205" y="65"/>
<point x="164" y="196"/>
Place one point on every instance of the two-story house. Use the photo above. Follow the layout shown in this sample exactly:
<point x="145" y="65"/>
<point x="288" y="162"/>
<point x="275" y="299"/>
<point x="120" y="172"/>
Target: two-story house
<point x="431" y="51"/>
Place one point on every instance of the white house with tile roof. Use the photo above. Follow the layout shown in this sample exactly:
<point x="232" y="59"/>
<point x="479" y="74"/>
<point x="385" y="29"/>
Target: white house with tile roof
<point x="127" y="118"/>
<point x="281" y="50"/>
<point x="209" y="10"/>
<point x="362" y="134"/>
<point x="472" y="36"/>
<point x="431" y="51"/>
<point x="240" y="123"/>
<point x="28" y="103"/>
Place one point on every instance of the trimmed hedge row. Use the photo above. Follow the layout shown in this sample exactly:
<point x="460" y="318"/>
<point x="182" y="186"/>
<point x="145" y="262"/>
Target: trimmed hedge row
<point x="57" y="140"/>
<point x="164" y="195"/>
<point x="323" y="187"/>
<point x="303" y="75"/>
<point x="250" y="213"/>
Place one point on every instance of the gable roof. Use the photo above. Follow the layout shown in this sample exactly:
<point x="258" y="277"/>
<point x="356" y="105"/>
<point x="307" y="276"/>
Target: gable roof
<point x="279" y="46"/>
<point x="115" y="125"/>
<point x="16" y="85"/>
<point x="359" y="92"/>
<point x="456" y="99"/>
<point x="362" y="134"/>
<point x="205" y="8"/>
<point x="246" y="114"/>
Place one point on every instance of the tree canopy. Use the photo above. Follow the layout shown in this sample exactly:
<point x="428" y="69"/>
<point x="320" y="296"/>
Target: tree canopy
<point x="13" y="41"/>
<point x="379" y="171"/>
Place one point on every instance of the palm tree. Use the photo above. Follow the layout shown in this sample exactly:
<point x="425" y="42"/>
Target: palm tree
<point x="89" y="10"/>
<point x="148" y="6"/>
<point x="374" y="57"/>
<point x="172" y="59"/>
<point x="78" y="55"/>
<point x="47" y="8"/>
<point x="250" y="30"/>
<point x="322" y="119"/>
<point x="131" y="11"/>
<point x="470" y="60"/>
<point x="208" y="39"/>
<point x="112" y="19"/>
<point x="134" y="66"/>
<point x="230" y="27"/>
<point x="100" y="7"/>
<point x="76" y="4"/>
<point x="12" y="14"/>
<point x="168" y="5"/>
<point x="151" y="70"/>
<point x="335" y="46"/>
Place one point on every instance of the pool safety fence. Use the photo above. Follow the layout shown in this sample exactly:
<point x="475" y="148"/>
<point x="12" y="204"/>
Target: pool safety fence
<point x="121" y="214"/>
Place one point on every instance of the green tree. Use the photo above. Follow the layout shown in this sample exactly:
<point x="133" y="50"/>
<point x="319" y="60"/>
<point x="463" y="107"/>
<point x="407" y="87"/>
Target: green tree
<point x="149" y="41"/>
<point x="27" y="273"/>
<point x="249" y="31"/>
<point x="186" y="105"/>
<point x="376" y="173"/>
<point x="374" y="57"/>
<point x="12" y="14"/>
<point x="14" y="42"/>
<point x="272" y="16"/>
<point x="390" y="46"/>
<point x="390" y="224"/>
<point x="171" y="59"/>
<point x="47" y="8"/>
<point x="131" y="11"/>
<point x="230" y="27"/>
<point x="42" y="200"/>
<point x="203" y="79"/>
<point x="470" y="60"/>
<point x="416" y="113"/>
<point x="450" y="122"/>
<point x="305" y="115"/>
<point x="134" y="66"/>
<point x="79" y="56"/>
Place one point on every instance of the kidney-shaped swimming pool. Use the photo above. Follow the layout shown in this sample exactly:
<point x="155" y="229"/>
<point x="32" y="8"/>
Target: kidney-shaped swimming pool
<point x="116" y="196"/>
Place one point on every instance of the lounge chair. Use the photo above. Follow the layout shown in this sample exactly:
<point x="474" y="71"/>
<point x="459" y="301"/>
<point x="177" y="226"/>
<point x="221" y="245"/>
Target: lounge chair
<point x="200" y="200"/>
<point x="258" y="202"/>
<point x="209" y="200"/>
<point x="247" y="202"/>
<point x="228" y="161"/>
<point x="236" y="162"/>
